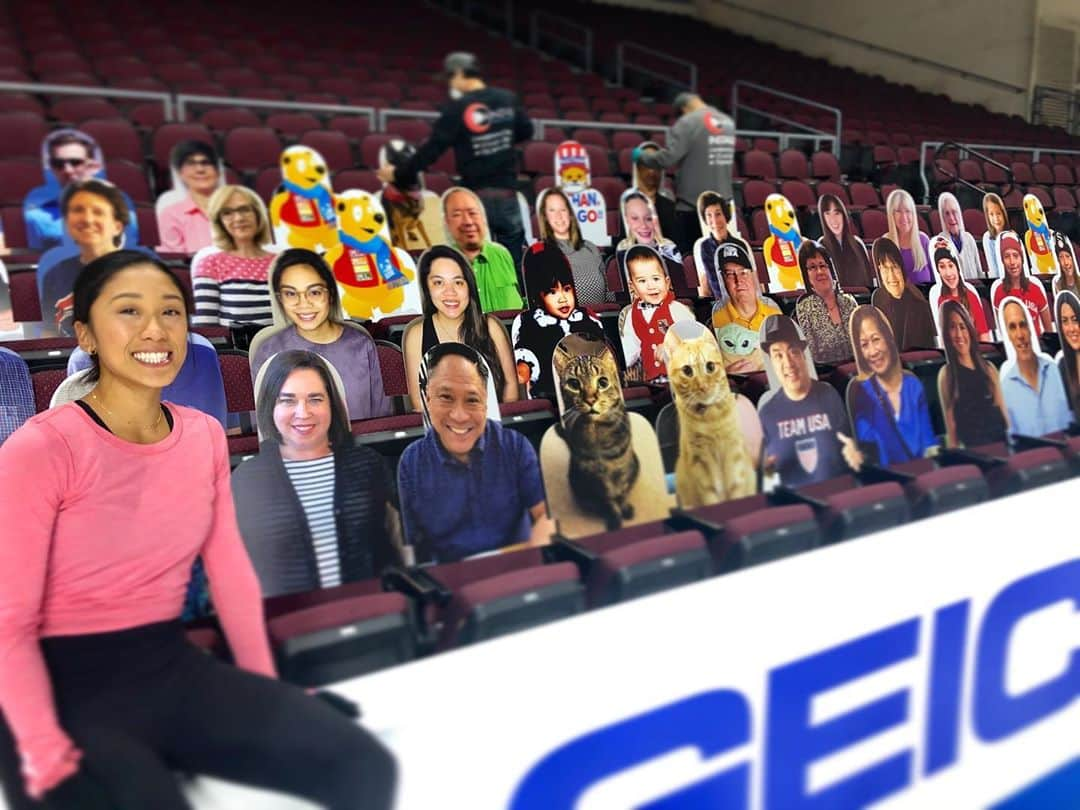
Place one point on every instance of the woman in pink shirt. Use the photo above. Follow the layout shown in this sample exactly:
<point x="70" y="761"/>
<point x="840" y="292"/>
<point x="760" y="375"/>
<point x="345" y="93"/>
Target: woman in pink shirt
<point x="106" y="502"/>
<point x="184" y="226"/>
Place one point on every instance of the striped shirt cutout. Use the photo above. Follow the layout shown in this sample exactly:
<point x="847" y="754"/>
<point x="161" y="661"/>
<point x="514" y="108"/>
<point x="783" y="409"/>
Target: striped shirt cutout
<point x="313" y="481"/>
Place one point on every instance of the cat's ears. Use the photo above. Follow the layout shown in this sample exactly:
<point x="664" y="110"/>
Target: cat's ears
<point x="671" y="340"/>
<point x="560" y="358"/>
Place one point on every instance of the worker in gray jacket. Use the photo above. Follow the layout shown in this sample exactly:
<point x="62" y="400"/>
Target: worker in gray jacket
<point x="702" y="144"/>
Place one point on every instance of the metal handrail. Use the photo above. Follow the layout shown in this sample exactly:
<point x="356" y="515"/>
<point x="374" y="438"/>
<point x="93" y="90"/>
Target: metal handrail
<point x="784" y="138"/>
<point x="788" y="97"/>
<point x="184" y="99"/>
<point x="566" y="24"/>
<point x="621" y="62"/>
<point x="937" y="146"/>
<point x="803" y="28"/>
<point x="78" y="90"/>
<point x="956" y="177"/>
<point x="540" y="123"/>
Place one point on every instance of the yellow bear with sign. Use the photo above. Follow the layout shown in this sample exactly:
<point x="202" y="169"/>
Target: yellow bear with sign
<point x="302" y="208"/>
<point x="1039" y="240"/>
<point x="781" y="248"/>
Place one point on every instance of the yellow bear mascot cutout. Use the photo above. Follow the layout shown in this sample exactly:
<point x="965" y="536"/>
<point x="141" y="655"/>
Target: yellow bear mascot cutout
<point x="302" y="208"/>
<point x="376" y="279"/>
<point x="1039" y="239"/>
<point x="781" y="248"/>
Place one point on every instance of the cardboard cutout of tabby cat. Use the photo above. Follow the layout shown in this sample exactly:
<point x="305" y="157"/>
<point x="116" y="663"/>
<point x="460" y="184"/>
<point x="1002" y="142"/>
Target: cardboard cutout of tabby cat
<point x="719" y="430"/>
<point x="601" y="464"/>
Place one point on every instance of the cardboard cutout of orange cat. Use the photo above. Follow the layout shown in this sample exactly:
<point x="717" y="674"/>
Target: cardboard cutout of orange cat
<point x="573" y="176"/>
<point x="601" y="464"/>
<point x="781" y="248"/>
<point x="302" y="208"/>
<point x="376" y="279"/>
<point x="719" y="430"/>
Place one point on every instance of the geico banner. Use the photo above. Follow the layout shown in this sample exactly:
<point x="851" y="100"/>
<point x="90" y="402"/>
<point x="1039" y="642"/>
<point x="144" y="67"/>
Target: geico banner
<point x="930" y="666"/>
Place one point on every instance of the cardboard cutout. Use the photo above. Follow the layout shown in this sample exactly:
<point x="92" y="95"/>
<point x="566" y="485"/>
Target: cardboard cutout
<point x="951" y="286"/>
<point x="1016" y="281"/>
<point x="1030" y="381"/>
<point x="1067" y="315"/>
<point x="847" y="250"/>
<point x="551" y="314"/>
<point x="806" y="429"/>
<point x="413" y="213"/>
<point x="652" y="310"/>
<point x="1067" y="277"/>
<point x="903" y="222"/>
<point x="997" y="220"/>
<point x="969" y="389"/>
<point x="781" y="248"/>
<point x="302" y="208"/>
<point x="719" y="431"/>
<point x="41" y="206"/>
<point x="903" y="304"/>
<point x="887" y="403"/>
<point x="601" y="465"/>
<point x="828" y="338"/>
<point x="716" y="216"/>
<point x="642" y="226"/>
<point x="376" y="279"/>
<point x="1039" y="239"/>
<point x="493" y="412"/>
<point x="573" y="176"/>
<point x="738" y="315"/>
<point x="639" y="182"/>
<point x="952" y="224"/>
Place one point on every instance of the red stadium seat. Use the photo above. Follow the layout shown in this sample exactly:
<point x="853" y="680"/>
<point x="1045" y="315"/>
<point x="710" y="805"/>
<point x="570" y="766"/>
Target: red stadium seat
<point x="864" y="195"/>
<point x="45" y="382"/>
<point x="873" y="223"/>
<point x="21" y="134"/>
<point x="236" y="374"/>
<point x="252" y="148"/>
<point x="538" y="158"/>
<point x="332" y="145"/>
<point x="793" y="165"/>
<point x="292" y="124"/>
<point x="760" y="165"/>
<point x="355" y="127"/>
<point x="130" y="178"/>
<point x="365" y="179"/>
<point x="17" y="177"/>
<point x="168" y="135"/>
<point x="77" y="109"/>
<point x="824" y="166"/>
<point x="828" y="187"/>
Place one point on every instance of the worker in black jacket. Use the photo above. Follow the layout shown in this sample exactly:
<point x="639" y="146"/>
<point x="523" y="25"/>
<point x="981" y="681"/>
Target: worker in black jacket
<point x="482" y="124"/>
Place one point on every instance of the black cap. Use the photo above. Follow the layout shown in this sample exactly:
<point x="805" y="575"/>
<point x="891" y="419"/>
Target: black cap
<point x="729" y="252"/>
<point x="464" y="61"/>
<point x="780" y="329"/>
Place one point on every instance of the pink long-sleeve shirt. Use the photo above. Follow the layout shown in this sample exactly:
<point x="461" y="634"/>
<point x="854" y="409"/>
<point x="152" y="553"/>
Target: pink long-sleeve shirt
<point x="99" y="534"/>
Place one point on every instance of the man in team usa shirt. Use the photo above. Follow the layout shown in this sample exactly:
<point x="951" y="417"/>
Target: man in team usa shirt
<point x="807" y="432"/>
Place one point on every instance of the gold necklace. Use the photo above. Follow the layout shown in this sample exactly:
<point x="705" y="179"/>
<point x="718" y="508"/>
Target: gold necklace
<point x="94" y="396"/>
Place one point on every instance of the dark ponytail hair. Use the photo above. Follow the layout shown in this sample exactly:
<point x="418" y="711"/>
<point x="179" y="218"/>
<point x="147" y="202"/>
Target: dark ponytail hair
<point x="94" y="276"/>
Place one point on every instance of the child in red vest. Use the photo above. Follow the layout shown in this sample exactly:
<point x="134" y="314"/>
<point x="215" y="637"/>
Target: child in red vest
<point x="653" y="309"/>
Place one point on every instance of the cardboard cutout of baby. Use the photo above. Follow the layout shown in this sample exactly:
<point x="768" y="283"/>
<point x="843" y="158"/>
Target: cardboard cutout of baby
<point x="302" y="208"/>
<point x="1067" y="316"/>
<point x="1031" y="383"/>
<point x="807" y="435"/>
<point x="903" y="304"/>
<point x="413" y="214"/>
<point x="552" y="313"/>
<point x="887" y="403"/>
<point x="1067" y="278"/>
<point x="952" y="224"/>
<point x="847" y="251"/>
<point x="717" y="220"/>
<point x="652" y="310"/>
<point x="951" y="286"/>
<point x="493" y="412"/>
<point x="781" y="248"/>
<point x="969" y="388"/>
<point x="377" y="280"/>
<point x="573" y="176"/>
<point x="601" y="464"/>
<point x="719" y="430"/>
<point x="738" y="314"/>
<point x="1039" y="239"/>
<point x="1016" y="281"/>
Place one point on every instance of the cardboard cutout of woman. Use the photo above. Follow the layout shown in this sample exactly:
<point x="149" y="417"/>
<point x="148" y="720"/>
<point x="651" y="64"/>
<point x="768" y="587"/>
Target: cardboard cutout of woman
<point x="952" y="223"/>
<point x="887" y="403"/>
<point x="1067" y="309"/>
<point x="1018" y="283"/>
<point x="601" y="464"/>
<point x="739" y="312"/>
<point x="969" y="388"/>
<point x="905" y="233"/>
<point x="719" y="430"/>
<point x="824" y="310"/>
<point x="903" y="304"/>
<point x="807" y="434"/>
<point x="952" y="287"/>
<point x="847" y="251"/>
<point x="1067" y="277"/>
<point x="1030" y="380"/>
<point x="642" y="227"/>
<point x="573" y="175"/>
<point x="717" y="229"/>
<point x="552" y="314"/>
<point x="997" y="221"/>
<point x="652" y="310"/>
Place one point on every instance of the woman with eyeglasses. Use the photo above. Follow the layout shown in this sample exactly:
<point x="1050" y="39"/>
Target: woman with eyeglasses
<point x="823" y="312"/>
<point x="184" y="226"/>
<point x="230" y="283"/>
<point x="306" y="297"/>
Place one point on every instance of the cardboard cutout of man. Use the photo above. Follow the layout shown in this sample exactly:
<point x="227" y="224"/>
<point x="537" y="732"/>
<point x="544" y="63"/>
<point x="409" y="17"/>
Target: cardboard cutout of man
<point x="738" y="315"/>
<point x="1030" y="380"/>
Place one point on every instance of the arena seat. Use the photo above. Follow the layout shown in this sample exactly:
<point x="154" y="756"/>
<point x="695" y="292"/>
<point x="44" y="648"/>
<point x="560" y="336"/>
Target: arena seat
<point x="248" y="149"/>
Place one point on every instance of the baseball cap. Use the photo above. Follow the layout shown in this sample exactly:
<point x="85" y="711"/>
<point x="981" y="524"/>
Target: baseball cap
<point x="460" y="60"/>
<point x="780" y="329"/>
<point x="728" y="252"/>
